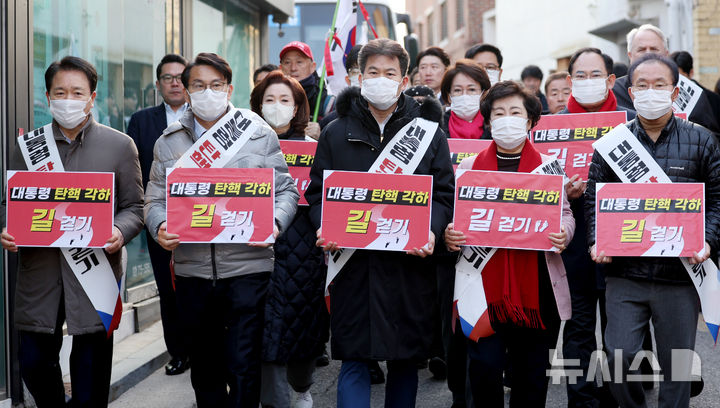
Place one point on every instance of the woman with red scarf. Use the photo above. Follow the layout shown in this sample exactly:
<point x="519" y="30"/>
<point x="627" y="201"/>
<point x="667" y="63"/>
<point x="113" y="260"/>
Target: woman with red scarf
<point x="465" y="84"/>
<point x="526" y="291"/>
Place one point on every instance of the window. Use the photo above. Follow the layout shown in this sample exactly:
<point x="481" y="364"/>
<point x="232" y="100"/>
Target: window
<point x="459" y="14"/>
<point x="430" y="36"/>
<point x="443" y="21"/>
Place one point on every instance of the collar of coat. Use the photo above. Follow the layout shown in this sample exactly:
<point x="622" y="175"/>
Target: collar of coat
<point x="351" y="103"/>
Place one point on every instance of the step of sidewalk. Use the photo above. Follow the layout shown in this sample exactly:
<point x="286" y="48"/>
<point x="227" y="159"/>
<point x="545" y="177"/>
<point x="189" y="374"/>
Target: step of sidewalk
<point x="136" y="357"/>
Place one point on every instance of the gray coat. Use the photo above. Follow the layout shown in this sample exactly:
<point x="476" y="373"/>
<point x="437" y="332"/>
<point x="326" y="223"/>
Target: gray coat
<point x="44" y="276"/>
<point x="218" y="261"/>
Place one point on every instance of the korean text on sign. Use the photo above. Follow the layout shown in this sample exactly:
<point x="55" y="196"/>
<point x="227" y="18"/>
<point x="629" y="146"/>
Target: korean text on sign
<point x="60" y="209"/>
<point x="376" y="211"/>
<point x="569" y="138"/>
<point x="650" y="219"/>
<point x="463" y="148"/>
<point x="508" y="210"/>
<point x="221" y="205"/>
<point x="299" y="156"/>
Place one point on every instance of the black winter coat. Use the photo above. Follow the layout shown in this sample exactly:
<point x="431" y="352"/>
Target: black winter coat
<point x="296" y="318"/>
<point x="688" y="153"/>
<point x="382" y="303"/>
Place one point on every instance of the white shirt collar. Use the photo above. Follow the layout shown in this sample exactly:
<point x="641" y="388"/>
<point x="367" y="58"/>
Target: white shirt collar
<point x="199" y="129"/>
<point x="174" y="116"/>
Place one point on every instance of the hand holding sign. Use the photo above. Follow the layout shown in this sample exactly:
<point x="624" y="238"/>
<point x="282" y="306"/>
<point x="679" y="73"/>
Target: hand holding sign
<point x="327" y="246"/>
<point x="426" y="249"/>
<point x="453" y="238"/>
<point x="167" y="240"/>
<point x="115" y="242"/>
<point x="702" y="256"/>
<point x="8" y="241"/>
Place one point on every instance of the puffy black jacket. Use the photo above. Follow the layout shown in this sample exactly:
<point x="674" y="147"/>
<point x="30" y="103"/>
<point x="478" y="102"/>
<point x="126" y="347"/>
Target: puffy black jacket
<point x="382" y="302"/>
<point x="688" y="153"/>
<point x="296" y="318"/>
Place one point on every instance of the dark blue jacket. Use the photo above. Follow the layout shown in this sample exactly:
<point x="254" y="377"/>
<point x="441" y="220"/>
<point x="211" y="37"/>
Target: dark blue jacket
<point x="145" y="128"/>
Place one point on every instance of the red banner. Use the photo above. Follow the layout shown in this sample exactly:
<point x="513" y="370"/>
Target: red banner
<point x="60" y="209"/>
<point x="462" y="148"/>
<point x="389" y="212"/>
<point x="299" y="156"/>
<point x="650" y="219"/>
<point x="570" y="137"/>
<point x="508" y="210"/>
<point x="221" y="205"/>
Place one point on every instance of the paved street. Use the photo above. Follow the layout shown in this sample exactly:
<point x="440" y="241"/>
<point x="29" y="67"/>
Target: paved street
<point x="159" y="390"/>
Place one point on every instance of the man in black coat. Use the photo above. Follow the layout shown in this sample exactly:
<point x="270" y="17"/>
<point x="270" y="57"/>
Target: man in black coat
<point x="648" y="39"/>
<point x="381" y="302"/>
<point x="639" y="289"/>
<point x="145" y="127"/>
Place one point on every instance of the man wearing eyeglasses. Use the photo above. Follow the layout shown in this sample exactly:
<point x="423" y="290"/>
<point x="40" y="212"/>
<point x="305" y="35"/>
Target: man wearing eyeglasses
<point x="220" y="288"/>
<point x="144" y="128"/>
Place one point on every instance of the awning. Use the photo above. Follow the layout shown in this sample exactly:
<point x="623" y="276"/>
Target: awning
<point x="285" y="7"/>
<point x="613" y="30"/>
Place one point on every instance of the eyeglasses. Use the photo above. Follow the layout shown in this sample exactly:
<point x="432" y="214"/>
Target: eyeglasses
<point x="168" y="79"/>
<point x="217" y="86"/>
<point x="658" y="86"/>
<point x="492" y="67"/>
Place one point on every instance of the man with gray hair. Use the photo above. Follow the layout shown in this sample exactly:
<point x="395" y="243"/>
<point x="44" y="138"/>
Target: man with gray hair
<point x="648" y="39"/>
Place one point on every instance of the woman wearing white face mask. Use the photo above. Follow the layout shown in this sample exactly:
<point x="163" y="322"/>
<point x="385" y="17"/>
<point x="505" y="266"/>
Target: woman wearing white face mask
<point x="296" y="323"/>
<point x="465" y="84"/>
<point x="526" y="291"/>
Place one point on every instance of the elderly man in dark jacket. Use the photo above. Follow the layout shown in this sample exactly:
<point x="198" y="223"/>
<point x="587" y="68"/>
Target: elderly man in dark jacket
<point x="48" y="292"/>
<point x="381" y="303"/>
<point x="659" y="288"/>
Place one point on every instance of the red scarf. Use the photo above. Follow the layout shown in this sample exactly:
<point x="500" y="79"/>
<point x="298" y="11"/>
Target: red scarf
<point x="610" y="104"/>
<point x="463" y="129"/>
<point x="511" y="278"/>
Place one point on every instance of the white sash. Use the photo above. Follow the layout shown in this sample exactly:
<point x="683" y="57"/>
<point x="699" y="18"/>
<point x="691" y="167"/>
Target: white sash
<point x="90" y="265"/>
<point x="219" y="144"/>
<point x="469" y="294"/>
<point x="401" y="156"/>
<point x="642" y="168"/>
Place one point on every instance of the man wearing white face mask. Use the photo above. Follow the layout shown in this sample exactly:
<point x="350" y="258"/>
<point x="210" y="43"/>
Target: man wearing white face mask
<point x="490" y="58"/>
<point x="220" y="288"/>
<point x="381" y="302"/>
<point x="591" y="79"/>
<point x="648" y="39"/>
<point x="48" y="292"/>
<point x="641" y="288"/>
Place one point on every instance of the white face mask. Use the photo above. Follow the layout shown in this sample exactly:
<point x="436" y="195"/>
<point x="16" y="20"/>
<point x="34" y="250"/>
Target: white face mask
<point x="589" y="90"/>
<point x="277" y="115"/>
<point x="208" y="105"/>
<point x="355" y="80"/>
<point x="493" y="75"/>
<point x="652" y="103"/>
<point x="465" y="106"/>
<point x="380" y="92"/>
<point x="69" y="113"/>
<point x="509" y="132"/>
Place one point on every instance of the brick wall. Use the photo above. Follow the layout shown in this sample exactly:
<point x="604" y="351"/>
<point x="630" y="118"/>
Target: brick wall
<point x="706" y="55"/>
<point x="457" y="41"/>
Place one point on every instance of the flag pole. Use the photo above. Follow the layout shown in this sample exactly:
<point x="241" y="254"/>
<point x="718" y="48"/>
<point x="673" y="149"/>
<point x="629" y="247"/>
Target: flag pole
<point x="331" y="34"/>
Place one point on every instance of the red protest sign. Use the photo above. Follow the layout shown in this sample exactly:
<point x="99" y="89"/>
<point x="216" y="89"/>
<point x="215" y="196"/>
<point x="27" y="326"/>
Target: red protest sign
<point x="507" y="210"/>
<point x="462" y="148"/>
<point x="389" y="212"/>
<point x="650" y="219"/>
<point x="570" y="137"/>
<point x="299" y="156"/>
<point x="60" y="209"/>
<point x="221" y="205"/>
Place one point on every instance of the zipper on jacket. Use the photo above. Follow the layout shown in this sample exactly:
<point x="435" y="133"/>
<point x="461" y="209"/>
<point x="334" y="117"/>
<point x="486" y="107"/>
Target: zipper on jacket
<point x="364" y="142"/>
<point x="212" y="261"/>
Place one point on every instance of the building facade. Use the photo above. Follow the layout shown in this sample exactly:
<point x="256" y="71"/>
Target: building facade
<point x="454" y="25"/>
<point x="124" y="40"/>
